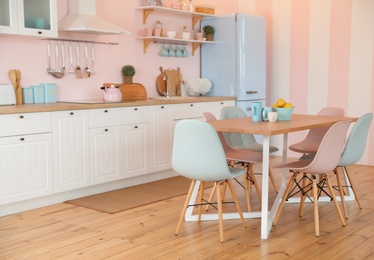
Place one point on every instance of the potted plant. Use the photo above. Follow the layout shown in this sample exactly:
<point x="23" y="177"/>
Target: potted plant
<point x="128" y="72"/>
<point x="209" y="32"/>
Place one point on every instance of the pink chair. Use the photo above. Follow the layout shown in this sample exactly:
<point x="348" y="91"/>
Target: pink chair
<point x="325" y="160"/>
<point x="245" y="156"/>
<point x="311" y="142"/>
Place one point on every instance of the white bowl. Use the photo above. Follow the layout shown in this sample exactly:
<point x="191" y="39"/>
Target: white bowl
<point x="171" y="34"/>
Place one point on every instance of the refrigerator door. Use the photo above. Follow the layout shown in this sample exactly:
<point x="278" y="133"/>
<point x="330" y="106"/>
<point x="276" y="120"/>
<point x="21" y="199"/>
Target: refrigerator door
<point x="236" y="63"/>
<point x="251" y="57"/>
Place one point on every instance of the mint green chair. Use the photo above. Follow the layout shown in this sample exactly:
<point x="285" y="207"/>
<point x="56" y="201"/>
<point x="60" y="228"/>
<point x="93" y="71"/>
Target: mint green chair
<point x="198" y="155"/>
<point x="237" y="140"/>
<point x="353" y="151"/>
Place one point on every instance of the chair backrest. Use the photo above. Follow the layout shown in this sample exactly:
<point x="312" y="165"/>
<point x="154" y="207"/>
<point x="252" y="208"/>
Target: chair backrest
<point x="198" y="153"/>
<point x="330" y="149"/>
<point x="236" y="139"/>
<point x="316" y="134"/>
<point x="356" y="143"/>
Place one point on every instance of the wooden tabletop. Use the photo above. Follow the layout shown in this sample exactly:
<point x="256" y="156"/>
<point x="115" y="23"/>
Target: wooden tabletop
<point x="298" y="122"/>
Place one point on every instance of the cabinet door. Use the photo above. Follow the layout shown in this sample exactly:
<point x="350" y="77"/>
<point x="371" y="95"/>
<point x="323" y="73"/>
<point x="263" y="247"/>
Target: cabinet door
<point x="26" y="167"/>
<point x="37" y="18"/>
<point x="70" y="149"/>
<point x="134" y="143"/>
<point x="8" y="16"/>
<point x="160" y="137"/>
<point x="104" y="154"/>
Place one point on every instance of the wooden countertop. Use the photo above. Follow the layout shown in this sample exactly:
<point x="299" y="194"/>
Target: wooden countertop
<point x="60" y="106"/>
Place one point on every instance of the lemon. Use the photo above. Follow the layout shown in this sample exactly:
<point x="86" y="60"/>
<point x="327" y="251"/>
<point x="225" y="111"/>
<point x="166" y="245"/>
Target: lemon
<point x="281" y="102"/>
<point x="288" y="105"/>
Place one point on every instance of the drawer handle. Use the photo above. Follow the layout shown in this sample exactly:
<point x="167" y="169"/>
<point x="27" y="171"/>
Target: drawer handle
<point x="222" y="103"/>
<point x="71" y="113"/>
<point x="252" y="92"/>
<point x="105" y="111"/>
<point x="22" y="139"/>
<point x="136" y="126"/>
<point x="136" y="109"/>
<point x="191" y="105"/>
<point x="162" y="106"/>
<point x="21" y="116"/>
<point x="106" y="130"/>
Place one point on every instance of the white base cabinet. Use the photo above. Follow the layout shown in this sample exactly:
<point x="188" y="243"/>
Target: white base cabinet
<point x="25" y="167"/>
<point x="70" y="149"/>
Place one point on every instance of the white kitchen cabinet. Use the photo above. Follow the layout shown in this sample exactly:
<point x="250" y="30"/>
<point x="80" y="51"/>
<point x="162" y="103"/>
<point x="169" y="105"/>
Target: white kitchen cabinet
<point x="216" y="106"/>
<point x="25" y="156"/>
<point x="104" y="145"/>
<point x="29" y="17"/>
<point x="160" y="137"/>
<point x="134" y="141"/>
<point x="26" y="167"/>
<point x="70" y="149"/>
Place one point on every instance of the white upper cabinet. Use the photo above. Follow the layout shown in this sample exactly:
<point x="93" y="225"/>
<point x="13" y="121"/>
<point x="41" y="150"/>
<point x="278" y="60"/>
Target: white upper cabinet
<point x="29" y="17"/>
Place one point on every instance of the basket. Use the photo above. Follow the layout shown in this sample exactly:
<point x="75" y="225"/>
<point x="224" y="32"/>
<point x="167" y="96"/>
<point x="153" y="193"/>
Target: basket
<point x="205" y="9"/>
<point x="284" y="114"/>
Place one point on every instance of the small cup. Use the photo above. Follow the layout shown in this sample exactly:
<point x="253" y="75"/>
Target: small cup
<point x="163" y="52"/>
<point x="184" y="52"/>
<point x="198" y="36"/>
<point x="178" y="52"/>
<point x="273" y="116"/>
<point x="265" y="111"/>
<point x="171" y="34"/>
<point x="171" y="51"/>
<point x="148" y="31"/>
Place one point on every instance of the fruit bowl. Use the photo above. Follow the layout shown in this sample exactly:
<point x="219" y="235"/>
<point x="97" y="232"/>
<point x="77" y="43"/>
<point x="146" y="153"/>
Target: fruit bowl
<point x="284" y="114"/>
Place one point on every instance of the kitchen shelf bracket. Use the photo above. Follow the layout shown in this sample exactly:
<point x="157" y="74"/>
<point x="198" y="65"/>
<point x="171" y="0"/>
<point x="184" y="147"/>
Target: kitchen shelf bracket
<point x="195" y="19"/>
<point x="146" y="42"/>
<point x="146" y="12"/>
<point x="195" y="45"/>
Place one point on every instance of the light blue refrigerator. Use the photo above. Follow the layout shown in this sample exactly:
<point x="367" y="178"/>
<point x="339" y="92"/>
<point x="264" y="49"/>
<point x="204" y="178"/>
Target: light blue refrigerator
<point x="236" y="62"/>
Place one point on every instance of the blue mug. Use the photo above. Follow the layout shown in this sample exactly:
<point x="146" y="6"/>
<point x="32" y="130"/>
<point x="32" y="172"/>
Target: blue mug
<point x="256" y="111"/>
<point x="265" y="112"/>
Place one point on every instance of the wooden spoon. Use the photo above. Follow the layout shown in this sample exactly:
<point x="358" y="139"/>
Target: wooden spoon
<point x="18" y="88"/>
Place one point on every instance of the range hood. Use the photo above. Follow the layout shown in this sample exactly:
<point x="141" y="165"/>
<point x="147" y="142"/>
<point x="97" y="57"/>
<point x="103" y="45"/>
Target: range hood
<point x="81" y="18"/>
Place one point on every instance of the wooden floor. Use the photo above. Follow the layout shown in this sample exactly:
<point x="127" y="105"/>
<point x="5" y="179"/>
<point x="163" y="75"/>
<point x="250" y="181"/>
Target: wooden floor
<point x="64" y="231"/>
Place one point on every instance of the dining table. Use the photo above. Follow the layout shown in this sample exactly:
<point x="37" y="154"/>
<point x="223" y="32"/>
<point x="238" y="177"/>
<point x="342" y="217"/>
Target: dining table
<point x="298" y="122"/>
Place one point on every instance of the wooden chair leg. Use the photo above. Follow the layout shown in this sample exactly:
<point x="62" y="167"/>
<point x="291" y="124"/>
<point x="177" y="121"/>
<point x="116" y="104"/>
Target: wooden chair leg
<point x="236" y="202"/>
<point x="201" y="199"/>
<point x="303" y="195"/>
<point x="315" y="203"/>
<point x="189" y="194"/>
<point x="246" y="192"/>
<point x="341" y="193"/>
<point x="211" y="196"/>
<point x="352" y="187"/>
<point x="273" y="181"/>
<point x="219" y="203"/>
<point x="252" y="176"/>
<point x="284" y="198"/>
<point x="334" y="200"/>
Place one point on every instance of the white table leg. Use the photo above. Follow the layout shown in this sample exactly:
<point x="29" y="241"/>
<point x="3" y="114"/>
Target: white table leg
<point x="265" y="189"/>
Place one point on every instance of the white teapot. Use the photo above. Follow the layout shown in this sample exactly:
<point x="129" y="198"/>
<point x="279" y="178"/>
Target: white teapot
<point x="112" y="94"/>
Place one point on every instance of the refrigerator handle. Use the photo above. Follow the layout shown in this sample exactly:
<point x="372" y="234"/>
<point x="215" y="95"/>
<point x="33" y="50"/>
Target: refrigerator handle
<point x="252" y="92"/>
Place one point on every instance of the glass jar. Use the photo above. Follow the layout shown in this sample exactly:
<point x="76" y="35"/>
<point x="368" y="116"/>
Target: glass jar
<point x="189" y="6"/>
<point x="157" y="29"/>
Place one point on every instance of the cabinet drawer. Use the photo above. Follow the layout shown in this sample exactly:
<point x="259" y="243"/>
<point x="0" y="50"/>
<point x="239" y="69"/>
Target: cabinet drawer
<point x="104" y="117"/>
<point x="27" y="123"/>
<point x="188" y="110"/>
<point x="133" y="115"/>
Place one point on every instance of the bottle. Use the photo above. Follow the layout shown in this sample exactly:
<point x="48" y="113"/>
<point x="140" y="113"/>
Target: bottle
<point x="183" y="5"/>
<point x="185" y="34"/>
<point x="190" y="6"/>
<point x="157" y="31"/>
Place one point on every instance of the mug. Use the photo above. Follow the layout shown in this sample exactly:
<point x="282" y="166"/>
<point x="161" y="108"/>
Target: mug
<point x="171" y="51"/>
<point x="163" y="52"/>
<point x="178" y="52"/>
<point x="265" y="112"/>
<point x="198" y="36"/>
<point x="273" y="116"/>
<point x="256" y="111"/>
<point x="184" y="52"/>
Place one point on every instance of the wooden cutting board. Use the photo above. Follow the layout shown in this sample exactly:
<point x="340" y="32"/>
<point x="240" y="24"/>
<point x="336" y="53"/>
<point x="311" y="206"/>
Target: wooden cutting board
<point x="161" y="83"/>
<point x="173" y="80"/>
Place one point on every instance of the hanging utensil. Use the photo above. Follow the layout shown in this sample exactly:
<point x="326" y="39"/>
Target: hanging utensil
<point x="18" y="87"/>
<point x="78" y="71"/>
<point x="71" y="67"/>
<point x="93" y="65"/>
<point x="86" y="69"/>
<point x="63" y="58"/>
<point x="57" y="72"/>
<point x="50" y="70"/>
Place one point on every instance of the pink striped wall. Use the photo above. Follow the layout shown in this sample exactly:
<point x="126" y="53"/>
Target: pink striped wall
<point x="329" y="63"/>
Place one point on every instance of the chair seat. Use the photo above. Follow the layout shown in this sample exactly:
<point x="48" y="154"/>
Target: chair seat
<point x="256" y="147"/>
